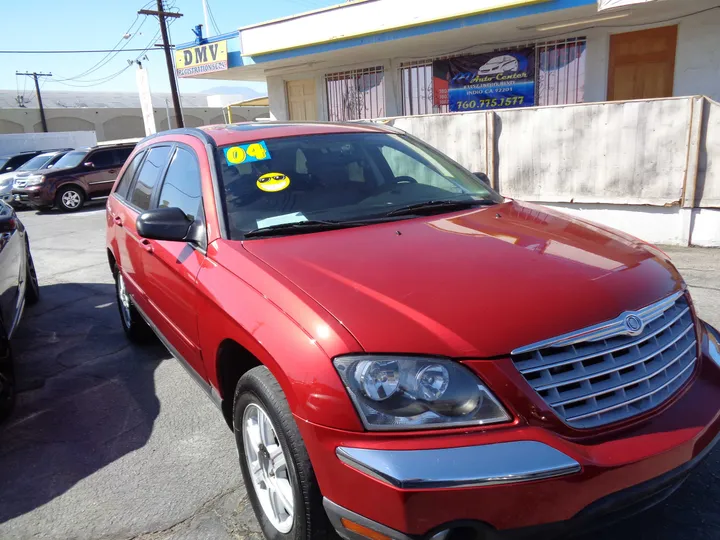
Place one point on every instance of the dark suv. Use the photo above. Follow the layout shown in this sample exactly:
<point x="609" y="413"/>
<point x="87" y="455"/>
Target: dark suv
<point x="80" y="175"/>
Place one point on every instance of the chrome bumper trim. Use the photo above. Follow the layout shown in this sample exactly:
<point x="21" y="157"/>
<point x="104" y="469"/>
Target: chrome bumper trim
<point x="486" y="465"/>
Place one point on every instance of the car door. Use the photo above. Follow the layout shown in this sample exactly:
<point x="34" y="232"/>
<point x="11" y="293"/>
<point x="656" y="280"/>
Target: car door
<point x="12" y="264"/>
<point x="119" y="157"/>
<point x="171" y="268"/>
<point x="125" y="208"/>
<point x="99" y="178"/>
<point x="120" y="212"/>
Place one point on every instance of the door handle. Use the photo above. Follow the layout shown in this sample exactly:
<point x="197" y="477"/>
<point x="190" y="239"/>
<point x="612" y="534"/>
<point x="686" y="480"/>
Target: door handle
<point x="147" y="246"/>
<point x="118" y="221"/>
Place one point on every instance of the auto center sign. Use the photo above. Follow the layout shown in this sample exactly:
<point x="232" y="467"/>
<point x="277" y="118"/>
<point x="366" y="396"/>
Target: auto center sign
<point x="497" y="80"/>
<point x="206" y="58"/>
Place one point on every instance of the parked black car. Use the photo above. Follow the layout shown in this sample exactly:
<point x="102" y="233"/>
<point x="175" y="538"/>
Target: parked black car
<point x="10" y="162"/>
<point x="18" y="286"/>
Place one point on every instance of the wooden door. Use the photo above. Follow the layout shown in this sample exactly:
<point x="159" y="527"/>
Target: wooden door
<point x="642" y="64"/>
<point x="302" y="100"/>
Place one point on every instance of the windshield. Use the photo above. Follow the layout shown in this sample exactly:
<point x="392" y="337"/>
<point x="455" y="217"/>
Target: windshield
<point x="38" y="162"/>
<point x="71" y="159"/>
<point x="339" y="178"/>
<point x="3" y="162"/>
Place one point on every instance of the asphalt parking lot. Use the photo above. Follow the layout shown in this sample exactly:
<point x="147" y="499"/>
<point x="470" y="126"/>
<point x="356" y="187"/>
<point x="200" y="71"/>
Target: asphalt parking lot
<point x="115" y="441"/>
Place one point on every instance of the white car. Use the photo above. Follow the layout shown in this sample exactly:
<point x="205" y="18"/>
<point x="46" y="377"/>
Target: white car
<point x="500" y="64"/>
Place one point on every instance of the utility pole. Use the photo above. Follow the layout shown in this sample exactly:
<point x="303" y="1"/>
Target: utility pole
<point x="162" y="15"/>
<point x="35" y="77"/>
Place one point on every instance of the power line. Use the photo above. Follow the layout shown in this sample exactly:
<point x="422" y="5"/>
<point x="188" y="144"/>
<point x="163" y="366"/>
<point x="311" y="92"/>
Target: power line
<point x="212" y="17"/>
<point x="86" y="51"/>
<point x="110" y="56"/>
<point x="108" y="78"/>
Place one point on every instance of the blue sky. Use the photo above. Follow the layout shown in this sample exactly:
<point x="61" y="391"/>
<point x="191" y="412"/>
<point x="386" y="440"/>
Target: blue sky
<point x="100" y="24"/>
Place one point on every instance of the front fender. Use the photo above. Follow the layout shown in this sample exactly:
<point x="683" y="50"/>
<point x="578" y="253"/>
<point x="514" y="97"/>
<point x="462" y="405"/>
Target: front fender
<point x="231" y="308"/>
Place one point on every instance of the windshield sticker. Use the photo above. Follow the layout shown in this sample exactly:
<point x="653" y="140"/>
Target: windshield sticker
<point x="295" y="217"/>
<point x="273" y="182"/>
<point x="247" y="153"/>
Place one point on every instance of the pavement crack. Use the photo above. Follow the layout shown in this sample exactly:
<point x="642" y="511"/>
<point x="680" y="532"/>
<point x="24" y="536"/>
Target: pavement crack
<point x="160" y="533"/>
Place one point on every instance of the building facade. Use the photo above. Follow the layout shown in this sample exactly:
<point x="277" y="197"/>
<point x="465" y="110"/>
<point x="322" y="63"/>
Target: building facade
<point x="384" y="58"/>
<point x="113" y="115"/>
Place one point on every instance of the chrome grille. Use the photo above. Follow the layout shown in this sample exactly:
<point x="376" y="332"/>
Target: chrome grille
<point x="607" y="373"/>
<point x="20" y="183"/>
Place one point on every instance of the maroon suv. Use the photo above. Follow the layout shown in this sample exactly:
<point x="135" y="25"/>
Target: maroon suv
<point x="80" y="175"/>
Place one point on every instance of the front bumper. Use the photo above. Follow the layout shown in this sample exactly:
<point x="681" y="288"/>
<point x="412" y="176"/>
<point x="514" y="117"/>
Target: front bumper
<point x="416" y="486"/>
<point x="33" y="196"/>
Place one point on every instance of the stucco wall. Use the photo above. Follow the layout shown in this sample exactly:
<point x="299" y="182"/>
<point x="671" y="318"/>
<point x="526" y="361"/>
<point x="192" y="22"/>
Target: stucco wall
<point x="113" y="123"/>
<point x="697" y="65"/>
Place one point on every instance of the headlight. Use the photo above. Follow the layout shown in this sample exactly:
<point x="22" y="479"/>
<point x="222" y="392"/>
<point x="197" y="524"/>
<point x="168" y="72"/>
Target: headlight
<point x="399" y="392"/>
<point x="35" y="180"/>
<point x="6" y="182"/>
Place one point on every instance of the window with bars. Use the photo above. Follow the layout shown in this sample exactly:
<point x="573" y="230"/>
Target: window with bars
<point x="559" y="68"/>
<point x="356" y="94"/>
<point x="560" y="72"/>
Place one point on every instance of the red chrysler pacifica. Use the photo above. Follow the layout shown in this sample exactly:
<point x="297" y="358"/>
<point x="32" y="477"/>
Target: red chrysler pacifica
<point x="400" y="351"/>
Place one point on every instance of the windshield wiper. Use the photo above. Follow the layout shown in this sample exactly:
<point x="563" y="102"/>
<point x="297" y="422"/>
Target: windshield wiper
<point x="439" y="206"/>
<point x="301" y="227"/>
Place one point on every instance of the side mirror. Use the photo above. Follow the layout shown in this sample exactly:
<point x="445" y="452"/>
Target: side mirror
<point x="483" y="178"/>
<point x="8" y="168"/>
<point x="164" y="224"/>
<point x="89" y="164"/>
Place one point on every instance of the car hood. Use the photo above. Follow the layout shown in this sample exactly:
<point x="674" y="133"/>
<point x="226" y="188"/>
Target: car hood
<point x="6" y="176"/>
<point x="475" y="284"/>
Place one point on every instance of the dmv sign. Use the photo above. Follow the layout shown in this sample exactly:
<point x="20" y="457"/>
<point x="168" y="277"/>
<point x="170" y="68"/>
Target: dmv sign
<point x="201" y="59"/>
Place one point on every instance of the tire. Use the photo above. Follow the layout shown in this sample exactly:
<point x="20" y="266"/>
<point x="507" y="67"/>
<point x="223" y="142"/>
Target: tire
<point x="32" y="289"/>
<point x="259" y="392"/>
<point x="7" y="382"/>
<point x="70" y="199"/>
<point x="135" y="327"/>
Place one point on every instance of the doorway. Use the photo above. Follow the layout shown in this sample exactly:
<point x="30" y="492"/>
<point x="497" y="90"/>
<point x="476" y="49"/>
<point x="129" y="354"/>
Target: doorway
<point x="302" y="102"/>
<point x="642" y="64"/>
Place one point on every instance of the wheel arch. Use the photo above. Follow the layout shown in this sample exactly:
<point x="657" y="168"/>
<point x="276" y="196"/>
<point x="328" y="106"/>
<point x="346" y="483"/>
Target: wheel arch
<point x="232" y="361"/>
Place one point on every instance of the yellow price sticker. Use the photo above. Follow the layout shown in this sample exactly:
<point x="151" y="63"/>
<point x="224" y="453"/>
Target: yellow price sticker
<point x="236" y="155"/>
<point x="246" y="153"/>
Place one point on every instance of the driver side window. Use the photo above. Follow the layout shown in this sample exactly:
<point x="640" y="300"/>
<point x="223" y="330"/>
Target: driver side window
<point x="182" y="188"/>
<point x="402" y="164"/>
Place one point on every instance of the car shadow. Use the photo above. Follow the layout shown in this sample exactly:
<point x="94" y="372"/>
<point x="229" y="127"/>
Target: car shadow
<point x="86" y="395"/>
<point x="89" y="206"/>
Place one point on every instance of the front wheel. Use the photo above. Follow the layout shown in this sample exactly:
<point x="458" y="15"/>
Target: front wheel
<point x="279" y="477"/>
<point x="70" y="199"/>
<point x="135" y="327"/>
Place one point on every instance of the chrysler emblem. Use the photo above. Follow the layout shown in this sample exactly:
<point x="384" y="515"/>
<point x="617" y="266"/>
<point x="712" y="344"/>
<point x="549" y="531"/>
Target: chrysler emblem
<point x="633" y="324"/>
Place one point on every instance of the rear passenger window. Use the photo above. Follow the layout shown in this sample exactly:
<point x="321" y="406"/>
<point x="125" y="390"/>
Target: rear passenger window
<point x="127" y="176"/>
<point x="148" y="176"/>
<point x="102" y="159"/>
<point x="121" y="154"/>
<point x="182" y="184"/>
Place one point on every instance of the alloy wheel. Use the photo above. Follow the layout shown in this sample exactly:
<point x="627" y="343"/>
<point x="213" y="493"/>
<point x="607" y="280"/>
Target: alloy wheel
<point x="268" y="468"/>
<point x="71" y="199"/>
